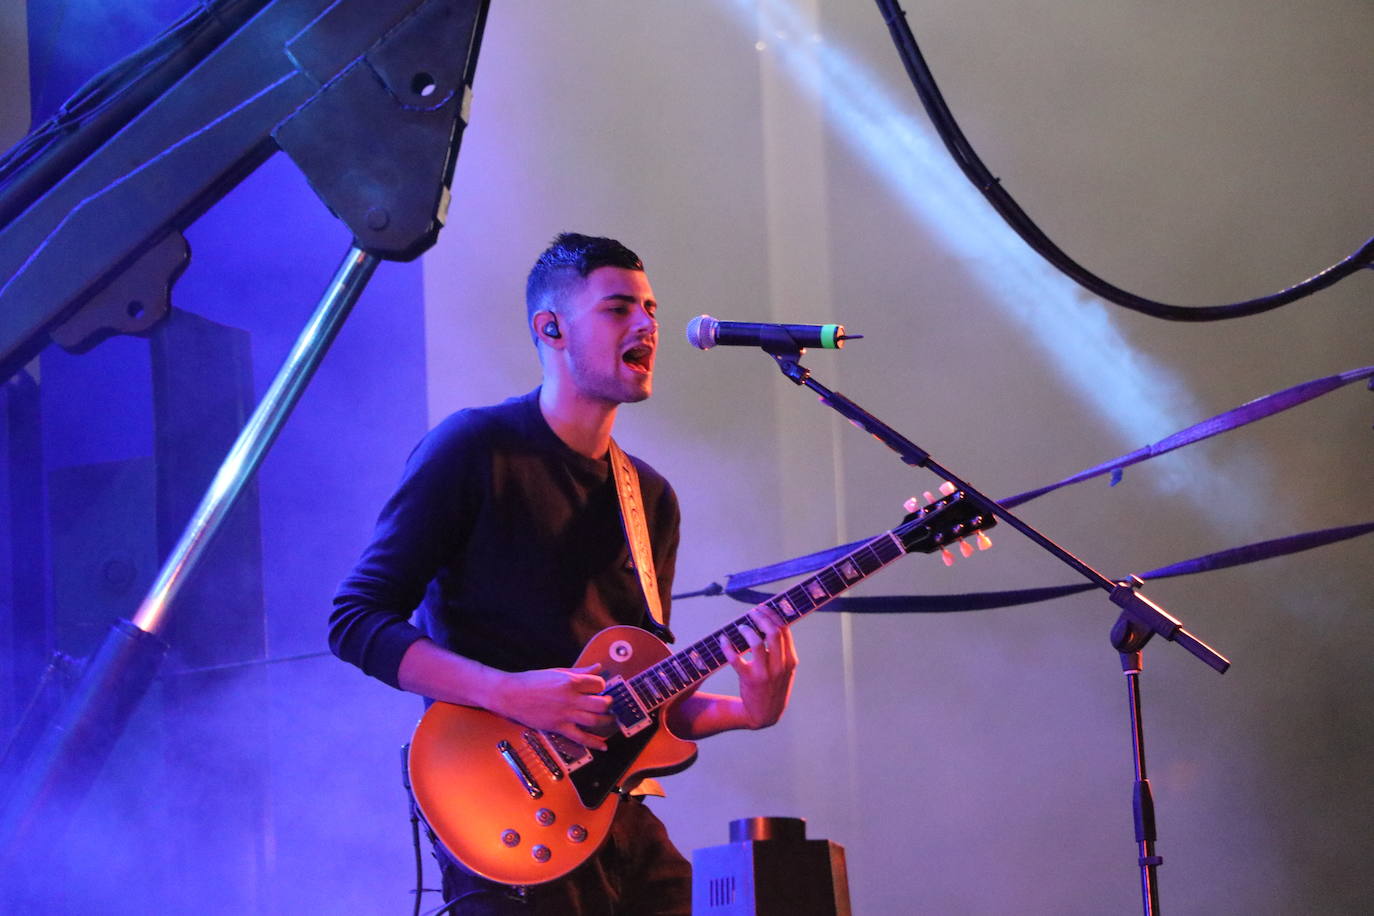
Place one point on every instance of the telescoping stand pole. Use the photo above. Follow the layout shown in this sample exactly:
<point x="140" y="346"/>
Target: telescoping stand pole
<point x="1129" y="640"/>
<point x="70" y="753"/>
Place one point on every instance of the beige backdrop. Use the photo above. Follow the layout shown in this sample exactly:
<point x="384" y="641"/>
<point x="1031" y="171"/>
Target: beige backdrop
<point x="770" y="162"/>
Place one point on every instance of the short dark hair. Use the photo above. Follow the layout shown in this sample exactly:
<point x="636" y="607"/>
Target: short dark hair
<point x="571" y="257"/>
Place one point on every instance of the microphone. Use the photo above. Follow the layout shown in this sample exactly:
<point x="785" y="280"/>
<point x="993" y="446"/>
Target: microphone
<point x="705" y="332"/>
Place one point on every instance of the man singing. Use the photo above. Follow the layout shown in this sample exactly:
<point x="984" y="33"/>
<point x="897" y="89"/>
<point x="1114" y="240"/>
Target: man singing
<point x="502" y="552"/>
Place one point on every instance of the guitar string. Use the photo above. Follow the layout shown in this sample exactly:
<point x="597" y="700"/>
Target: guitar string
<point x="665" y="679"/>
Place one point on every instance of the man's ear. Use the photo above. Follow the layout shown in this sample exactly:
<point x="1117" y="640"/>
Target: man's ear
<point x="546" y="328"/>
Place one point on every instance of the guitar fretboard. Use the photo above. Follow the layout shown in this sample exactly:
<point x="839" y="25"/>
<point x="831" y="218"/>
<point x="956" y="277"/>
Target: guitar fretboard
<point x="683" y="670"/>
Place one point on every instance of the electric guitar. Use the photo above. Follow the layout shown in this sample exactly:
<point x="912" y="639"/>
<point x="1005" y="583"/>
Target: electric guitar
<point x="523" y="806"/>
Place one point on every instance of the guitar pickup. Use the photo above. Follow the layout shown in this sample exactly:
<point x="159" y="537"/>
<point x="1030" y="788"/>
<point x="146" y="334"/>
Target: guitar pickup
<point x="532" y="739"/>
<point x="629" y="715"/>
<point x="571" y="753"/>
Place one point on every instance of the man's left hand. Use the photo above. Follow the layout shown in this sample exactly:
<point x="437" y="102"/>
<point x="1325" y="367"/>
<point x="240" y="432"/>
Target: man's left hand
<point x="765" y="669"/>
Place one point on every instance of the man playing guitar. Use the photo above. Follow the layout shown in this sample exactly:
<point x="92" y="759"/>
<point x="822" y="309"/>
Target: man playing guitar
<point x="502" y="553"/>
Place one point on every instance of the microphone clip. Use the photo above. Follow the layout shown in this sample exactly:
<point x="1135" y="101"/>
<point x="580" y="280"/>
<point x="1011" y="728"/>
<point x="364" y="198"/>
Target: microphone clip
<point x="777" y="343"/>
<point x="790" y="366"/>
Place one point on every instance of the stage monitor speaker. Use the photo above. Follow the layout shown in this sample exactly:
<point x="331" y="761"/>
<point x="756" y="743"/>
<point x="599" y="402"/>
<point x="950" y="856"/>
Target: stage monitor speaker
<point x="770" y="868"/>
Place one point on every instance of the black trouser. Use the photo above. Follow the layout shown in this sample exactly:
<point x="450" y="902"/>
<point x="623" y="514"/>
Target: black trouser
<point x="636" y="872"/>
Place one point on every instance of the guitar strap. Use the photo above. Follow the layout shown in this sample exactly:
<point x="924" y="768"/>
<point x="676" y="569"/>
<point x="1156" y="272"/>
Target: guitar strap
<point x="637" y="535"/>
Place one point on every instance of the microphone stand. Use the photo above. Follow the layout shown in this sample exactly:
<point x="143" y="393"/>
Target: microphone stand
<point x="1139" y="620"/>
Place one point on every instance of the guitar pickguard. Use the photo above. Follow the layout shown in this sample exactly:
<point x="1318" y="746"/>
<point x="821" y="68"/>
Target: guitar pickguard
<point x="622" y="652"/>
<point x="596" y="779"/>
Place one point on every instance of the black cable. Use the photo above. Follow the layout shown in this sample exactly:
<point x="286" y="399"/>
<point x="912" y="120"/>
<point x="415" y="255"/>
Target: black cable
<point x="461" y="897"/>
<point x="414" y="828"/>
<point x="974" y="169"/>
<point x="98" y="93"/>
<point x="250" y="663"/>
<point x="420" y="888"/>
<point x="111" y="99"/>
<point x="419" y="858"/>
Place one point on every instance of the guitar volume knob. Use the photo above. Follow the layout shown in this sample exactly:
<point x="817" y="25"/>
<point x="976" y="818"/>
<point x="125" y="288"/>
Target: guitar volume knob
<point x="577" y="833"/>
<point x="510" y="838"/>
<point x="541" y="853"/>
<point x="544" y="816"/>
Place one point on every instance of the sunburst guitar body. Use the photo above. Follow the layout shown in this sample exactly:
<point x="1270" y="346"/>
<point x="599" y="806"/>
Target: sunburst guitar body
<point x="521" y="806"/>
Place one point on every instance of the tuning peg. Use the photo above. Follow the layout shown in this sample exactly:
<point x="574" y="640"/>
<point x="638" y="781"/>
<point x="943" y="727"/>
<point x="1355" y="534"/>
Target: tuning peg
<point x="946" y="556"/>
<point x="947" y="488"/>
<point x="965" y="548"/>
<point x="912" y="504"/>
<point x="928" y="496"/>
<point x="984" y="542"/>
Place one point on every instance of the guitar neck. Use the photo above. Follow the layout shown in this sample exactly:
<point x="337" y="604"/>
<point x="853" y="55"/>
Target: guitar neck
<point x="683" y="670"/>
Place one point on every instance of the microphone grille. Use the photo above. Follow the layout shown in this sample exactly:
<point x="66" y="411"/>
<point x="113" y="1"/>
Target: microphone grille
<point x="701" y="332"/>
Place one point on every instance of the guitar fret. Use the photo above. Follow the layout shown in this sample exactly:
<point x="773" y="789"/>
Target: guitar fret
<point x="712" y="650"/>
<point x="784" y="607"/>
<point x="665" y="668"/>
<point x="692" y="666"/>
<point x="661" y="682"/>
<point x="645" y="689"/>
<point x="867" y="559"/>
<point x="888" y="547"/>
<point x="736" y="638"/>
<point x="831" y="579"/>
<point x="798" y="596"/>
<point x="689" y="671"/>
<point x="656" y="685"/>
<point x="847" y="571"/>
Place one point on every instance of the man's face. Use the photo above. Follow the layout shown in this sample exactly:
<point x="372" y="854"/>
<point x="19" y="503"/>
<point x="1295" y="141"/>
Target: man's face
<point x="611" y="335"/>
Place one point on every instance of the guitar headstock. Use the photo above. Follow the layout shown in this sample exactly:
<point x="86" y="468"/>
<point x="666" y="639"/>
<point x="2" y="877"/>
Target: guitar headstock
<point x="943" y="522"/>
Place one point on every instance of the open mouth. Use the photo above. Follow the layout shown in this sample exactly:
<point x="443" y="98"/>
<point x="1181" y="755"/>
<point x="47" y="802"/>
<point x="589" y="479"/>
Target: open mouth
<point x="640" y="358"/>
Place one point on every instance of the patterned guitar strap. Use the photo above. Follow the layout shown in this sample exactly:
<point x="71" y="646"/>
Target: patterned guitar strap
<point x="637" y="535"/>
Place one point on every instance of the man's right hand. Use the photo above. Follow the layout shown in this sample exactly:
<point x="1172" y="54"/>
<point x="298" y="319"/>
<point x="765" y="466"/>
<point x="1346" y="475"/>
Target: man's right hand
<point x="563" y="700"/>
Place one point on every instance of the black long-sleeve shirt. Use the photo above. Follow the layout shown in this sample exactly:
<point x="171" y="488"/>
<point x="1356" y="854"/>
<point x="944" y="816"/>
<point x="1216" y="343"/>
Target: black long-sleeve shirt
<point x="505" y="544"/>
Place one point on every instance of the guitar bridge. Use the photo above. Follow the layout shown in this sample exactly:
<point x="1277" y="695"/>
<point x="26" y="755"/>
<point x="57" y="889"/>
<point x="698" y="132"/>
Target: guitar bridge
<point x="521" y="771"/>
